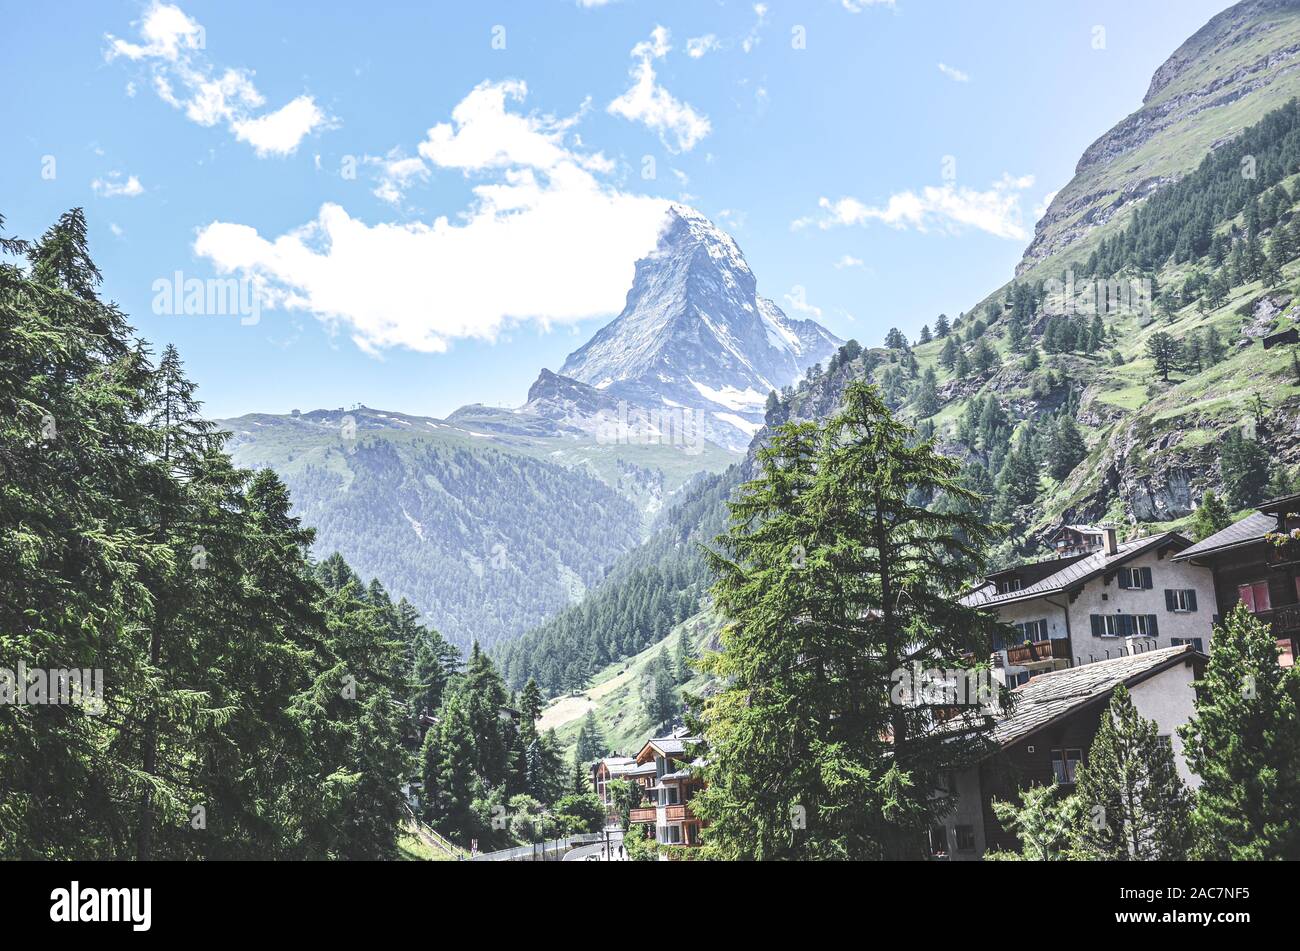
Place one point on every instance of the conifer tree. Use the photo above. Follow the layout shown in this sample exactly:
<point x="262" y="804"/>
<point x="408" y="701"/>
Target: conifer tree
<point x="1244" y="743"/>
<point x="832" y="580"/>
<point x="1134" y="805"/>
<point x="1211" y="516"/>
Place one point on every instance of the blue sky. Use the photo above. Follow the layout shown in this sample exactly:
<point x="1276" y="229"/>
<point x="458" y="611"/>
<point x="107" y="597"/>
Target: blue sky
<point x="437" y="199"/>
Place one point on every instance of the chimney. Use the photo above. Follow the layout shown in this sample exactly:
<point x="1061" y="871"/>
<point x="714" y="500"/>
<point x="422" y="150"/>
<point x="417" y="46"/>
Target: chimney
<point x="1109" y="544"/>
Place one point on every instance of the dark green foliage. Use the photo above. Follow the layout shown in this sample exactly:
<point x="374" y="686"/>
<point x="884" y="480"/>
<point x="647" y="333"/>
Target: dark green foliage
<point x="1165" y="353"/>
<point x="831" y="580"/>
<point x="1066" y="448"/>
<point x="1244" y="464"/>
<point x="1175" y="223"/>
<point x="1244" y="743"/>
<point x="1133" y="806"/>
<point x="254" y="707"/>
<point x="1211" y="516"/>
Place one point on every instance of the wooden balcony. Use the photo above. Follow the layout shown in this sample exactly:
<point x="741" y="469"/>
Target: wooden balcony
<point x="641" y="814"/>
<point x="676" y="813"/>
<point x="1285" y="620"/>
<point x="1038" y="652"/>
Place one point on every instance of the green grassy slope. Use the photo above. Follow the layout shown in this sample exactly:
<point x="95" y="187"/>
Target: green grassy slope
<point x="615" y="693"/>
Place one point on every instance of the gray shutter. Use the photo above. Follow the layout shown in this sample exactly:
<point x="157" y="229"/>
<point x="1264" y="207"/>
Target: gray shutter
<point x="1146" y="578"/>
<point x="1191" y="599"/>
<point x="1169" y="599"/>
<point x="1098" y="627"/>
<point x="1153" y="626"/>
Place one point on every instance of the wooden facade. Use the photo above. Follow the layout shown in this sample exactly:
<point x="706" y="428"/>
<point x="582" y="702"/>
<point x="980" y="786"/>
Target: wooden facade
<point x="1251" y="567"/>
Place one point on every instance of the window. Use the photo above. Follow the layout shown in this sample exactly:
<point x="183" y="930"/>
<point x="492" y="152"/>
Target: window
<point x="1125" y="625"/>
<point x="1065" y="763"/>
<point x="1180" y="599"/>
<point x="1008" y="584"/>
<point x="939" y="841"/>
<point x="1135" y="579"/>
<point x="1034" y="630"/>
<point x="965" y="838"/>
<point x="1196" y="642"/>
<point x="1255" y="596"/>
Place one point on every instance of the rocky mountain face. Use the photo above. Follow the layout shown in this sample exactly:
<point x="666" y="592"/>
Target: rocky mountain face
<point x="695" y="337"/>
<point x="1225" y="77"/>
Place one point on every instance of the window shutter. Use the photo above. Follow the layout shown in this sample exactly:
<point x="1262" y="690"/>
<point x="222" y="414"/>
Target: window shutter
<point x="1169" y="599"/>
<point x="1153" y="626"/>
<point x="1146" y="577"/>
<point x="1097" y="626"/>
<point x="1191" y="599"/>
<point x="1125" y="578"/>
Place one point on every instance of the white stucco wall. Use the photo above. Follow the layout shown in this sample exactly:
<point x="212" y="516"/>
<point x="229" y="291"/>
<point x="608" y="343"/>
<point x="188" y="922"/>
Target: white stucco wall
<point x="1098" y="597"/>
<point x="1168" y="699"/>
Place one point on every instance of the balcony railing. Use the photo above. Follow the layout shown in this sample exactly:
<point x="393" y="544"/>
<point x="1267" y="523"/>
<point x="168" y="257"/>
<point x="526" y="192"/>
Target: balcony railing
<point x="675" y="812"/>
<point x="1285" y="620"/>
<point x="1022" y="655"/>
<point x="642" y="814"/>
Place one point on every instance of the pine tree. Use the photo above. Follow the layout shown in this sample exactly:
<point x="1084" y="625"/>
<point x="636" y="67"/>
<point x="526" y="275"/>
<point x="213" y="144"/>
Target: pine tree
<point x="685" y="656"/>
<point x="530" y="701"/>
<point x="925" y="334"/>
<point x="1066" y="449"/>
<point x="832" y="580"/>
<point x="927" y="394"/>
<point x="941" y="325"/>
<point x="1043" y="822"/>
<point x="1211" y="516"/>
<point x="1243" y="463"/>
<point x="948" y="356"/>
<point x="1164" y="353"/>
<point x="1135" y="807"/>
<point x="1244" y="743"/>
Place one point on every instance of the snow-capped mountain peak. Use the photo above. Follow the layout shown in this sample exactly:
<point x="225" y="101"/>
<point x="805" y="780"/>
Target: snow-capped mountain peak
<point x="695" y="334"/>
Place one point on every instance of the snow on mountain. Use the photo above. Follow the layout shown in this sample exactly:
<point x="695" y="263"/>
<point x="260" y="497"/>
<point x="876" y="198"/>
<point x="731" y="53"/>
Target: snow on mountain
<point x="694" y="335"/>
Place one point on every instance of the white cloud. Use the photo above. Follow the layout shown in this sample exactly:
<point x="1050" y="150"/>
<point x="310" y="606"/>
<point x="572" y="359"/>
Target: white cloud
<point x="174" y="47"/>
<point x="752" y="38"/>
<point x="279" y="132"/>
<point x="396" y="174"/>
<point x="1041" y="208"/>
<point x="857" y="6"/>
<point x="797" y="302"/>
<point x="546" y="239"/>
<point x="654" y="106"/>
<point x="114" y="187"/>
<point x="953" y="73"/>
<point x="848" y="260"/>
<point x="698" y="46"/>
<point x="944" y="208"/>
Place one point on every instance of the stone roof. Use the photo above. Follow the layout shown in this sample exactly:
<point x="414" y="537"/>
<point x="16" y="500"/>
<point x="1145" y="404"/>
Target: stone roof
<point x="1250" y="529"/>
<point x="1076" y="572"/>
<point x="1050" y="696"/>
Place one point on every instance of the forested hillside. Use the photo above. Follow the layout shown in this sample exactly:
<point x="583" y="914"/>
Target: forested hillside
<point x="251" y="704"/>
<point x="650" y="590"/>
<point x="1126" y="389"/>
<point x="1131" y="387"/>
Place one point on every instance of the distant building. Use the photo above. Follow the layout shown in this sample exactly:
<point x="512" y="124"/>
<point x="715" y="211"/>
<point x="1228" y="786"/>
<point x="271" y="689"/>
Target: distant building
<point x="1048" y="732"/>
<point x="676" y="783"/>
<point x="1116" y="600"/>
<point x="1072" y="540"/>
<point x="611" y="768"/>
<point x="1256" y="561"/>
